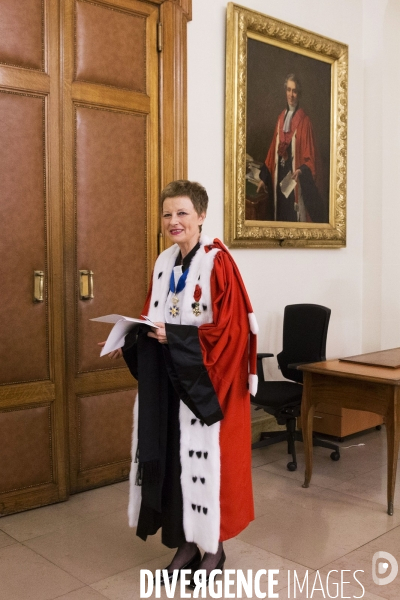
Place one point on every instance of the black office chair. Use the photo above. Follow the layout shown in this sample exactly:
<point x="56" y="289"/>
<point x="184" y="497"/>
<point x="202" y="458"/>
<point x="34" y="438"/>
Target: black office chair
<point x="305" y="328"/>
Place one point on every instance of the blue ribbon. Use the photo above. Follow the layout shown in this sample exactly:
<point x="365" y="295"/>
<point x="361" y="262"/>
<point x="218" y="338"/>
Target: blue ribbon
<point x="181" y="282"/>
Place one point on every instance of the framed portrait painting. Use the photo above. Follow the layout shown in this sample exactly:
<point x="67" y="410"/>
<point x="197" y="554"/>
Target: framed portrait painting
<point x="285" y="134"/>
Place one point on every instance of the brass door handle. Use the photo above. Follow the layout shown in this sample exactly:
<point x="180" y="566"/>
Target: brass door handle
<point x="38" y="286"/>
<point x="86" y="284"/>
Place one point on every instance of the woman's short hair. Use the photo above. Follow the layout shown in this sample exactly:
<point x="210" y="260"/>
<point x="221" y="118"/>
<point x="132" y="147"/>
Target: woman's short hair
<point x="294" y="77"/>
<point x="191" y="189"/>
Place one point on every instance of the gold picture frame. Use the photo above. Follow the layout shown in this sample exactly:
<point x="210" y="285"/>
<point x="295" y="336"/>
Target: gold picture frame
<point x="265" y="59"/>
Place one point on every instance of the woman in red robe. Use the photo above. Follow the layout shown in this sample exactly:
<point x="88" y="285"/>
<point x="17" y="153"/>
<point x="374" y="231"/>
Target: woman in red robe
<point x="191" y="473"/>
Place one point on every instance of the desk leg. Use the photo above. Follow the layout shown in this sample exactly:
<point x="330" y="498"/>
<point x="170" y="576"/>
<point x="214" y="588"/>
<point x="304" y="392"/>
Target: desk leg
<point x="307" y="422"/>
<point x="393" y="439"/>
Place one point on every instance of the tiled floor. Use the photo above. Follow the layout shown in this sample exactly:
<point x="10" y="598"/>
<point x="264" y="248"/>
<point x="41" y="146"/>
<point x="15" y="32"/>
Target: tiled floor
<point x="83" y="549"/>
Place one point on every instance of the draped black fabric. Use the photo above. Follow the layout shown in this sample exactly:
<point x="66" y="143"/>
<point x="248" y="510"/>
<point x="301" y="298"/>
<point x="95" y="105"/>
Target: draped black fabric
<point x="170" y="518"/>
<point x="316" y="208"/>
<point x="185" y="262"/>
<point x="159" y="467"/>
<point x="153" y="417"/>
<point x="189" y="375"/>
<point x="144" y="357"/>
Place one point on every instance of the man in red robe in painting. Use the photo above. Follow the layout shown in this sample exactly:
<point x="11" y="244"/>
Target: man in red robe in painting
<point x="292" y="153"/>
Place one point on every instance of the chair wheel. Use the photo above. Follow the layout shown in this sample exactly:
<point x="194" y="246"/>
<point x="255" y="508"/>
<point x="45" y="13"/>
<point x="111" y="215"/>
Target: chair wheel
<point x="335" y="455"/>
<point x="291" y="466"/>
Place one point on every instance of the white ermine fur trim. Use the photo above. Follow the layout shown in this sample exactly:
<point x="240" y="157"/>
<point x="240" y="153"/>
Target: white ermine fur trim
<point x="199" y="274"/>
<point x="135" y="491"/>
<point x="253" y="323"/>
<point x="202" y="524"/>
<point x="161" y="274"/>
<point x="253" y="384"/>
<point x="200" y="480"/>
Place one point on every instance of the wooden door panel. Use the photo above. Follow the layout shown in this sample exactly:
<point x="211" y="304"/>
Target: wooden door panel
<point x="111" y="161"/>
<point x="32" y="449"/>
<point x="22" y="33"/>
<point x="24" y="340"/>
<point x="26" y="433"/>
<point x="110" y="188"/>
<point x="108" y="42"/>
<point x="105" y="429"/>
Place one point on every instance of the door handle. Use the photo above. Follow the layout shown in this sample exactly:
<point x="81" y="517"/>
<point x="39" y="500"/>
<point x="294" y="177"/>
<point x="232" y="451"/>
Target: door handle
<point x="38" y="286"/>
<point x="86" y="284"/>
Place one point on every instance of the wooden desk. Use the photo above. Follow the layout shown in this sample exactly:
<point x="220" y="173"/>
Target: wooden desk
<point x="362" y="387"/>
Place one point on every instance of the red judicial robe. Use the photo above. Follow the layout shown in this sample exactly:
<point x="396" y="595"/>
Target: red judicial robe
<point x="212" y="351"/>
<point x="299" y="142"/>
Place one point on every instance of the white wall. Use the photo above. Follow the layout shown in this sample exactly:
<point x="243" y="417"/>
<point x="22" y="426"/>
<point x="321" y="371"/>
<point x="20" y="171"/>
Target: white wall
<point x="381" y="282"/>
<point x="373" y="29"/>
<point x="276" y="277"/>
<point x="390" y="93"/>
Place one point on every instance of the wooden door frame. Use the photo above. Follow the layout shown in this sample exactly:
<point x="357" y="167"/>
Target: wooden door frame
<point x="174" y="16"/>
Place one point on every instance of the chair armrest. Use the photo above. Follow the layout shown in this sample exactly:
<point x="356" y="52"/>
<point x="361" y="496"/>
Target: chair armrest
<point x="260" y="371"/>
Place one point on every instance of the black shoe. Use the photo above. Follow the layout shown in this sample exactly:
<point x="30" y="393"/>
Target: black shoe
<point x="220" y="565"/>
<point x="192" y="564"/>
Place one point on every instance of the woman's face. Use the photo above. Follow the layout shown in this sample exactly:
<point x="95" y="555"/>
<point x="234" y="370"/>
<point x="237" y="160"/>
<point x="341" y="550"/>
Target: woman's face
<point x="181" y="221"/>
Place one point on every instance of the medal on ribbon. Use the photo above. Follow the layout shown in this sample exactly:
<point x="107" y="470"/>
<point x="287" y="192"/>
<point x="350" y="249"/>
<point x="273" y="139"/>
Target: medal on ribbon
<point x="175" y="289"/>
<point x="196" y="304"/>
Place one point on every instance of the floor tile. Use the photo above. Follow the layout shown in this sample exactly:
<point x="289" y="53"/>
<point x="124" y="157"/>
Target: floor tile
<point x="372" y="485"/>
<point x="361" y="558"/>
<point x="122" y="486"/>
<point x="240" y="555"/>
<point x="80" y="507"/>
<point x="314" y="529"/>
<point x="126" y="584"/>
<point x="268" y="454"/>
<point x="270" y="486"/>
<point x="85" y="593"/>
<point x="95" y="549"/>
<point x="356" y="460"/>
<point x="84" y="550"/>
<point x="6" y="540"/>
<point x="282" y="490"/>
<point x="320" y="587"/>
<point x="26" y="576"/>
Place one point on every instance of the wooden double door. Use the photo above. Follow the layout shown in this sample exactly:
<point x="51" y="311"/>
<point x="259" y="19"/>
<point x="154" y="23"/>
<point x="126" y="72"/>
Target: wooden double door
<point x="89" y="93"/>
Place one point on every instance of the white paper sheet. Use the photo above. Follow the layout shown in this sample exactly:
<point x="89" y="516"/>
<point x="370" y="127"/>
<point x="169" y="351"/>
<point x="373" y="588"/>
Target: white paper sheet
<point x="287" y="184"/>
<point x="116" y="338"/>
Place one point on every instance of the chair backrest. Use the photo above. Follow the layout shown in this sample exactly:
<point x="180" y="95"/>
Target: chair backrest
<point x="305" y="328"/>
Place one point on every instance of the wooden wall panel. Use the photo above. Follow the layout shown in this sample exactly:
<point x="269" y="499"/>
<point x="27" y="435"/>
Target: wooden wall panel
<point x="22" y="33"/>
<point x="25" y="433"/>
<point x="111" y="220"/>
<point x="109" y="42"/>
<point x="24" y="339"/>
<point x="105" y="429"/>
